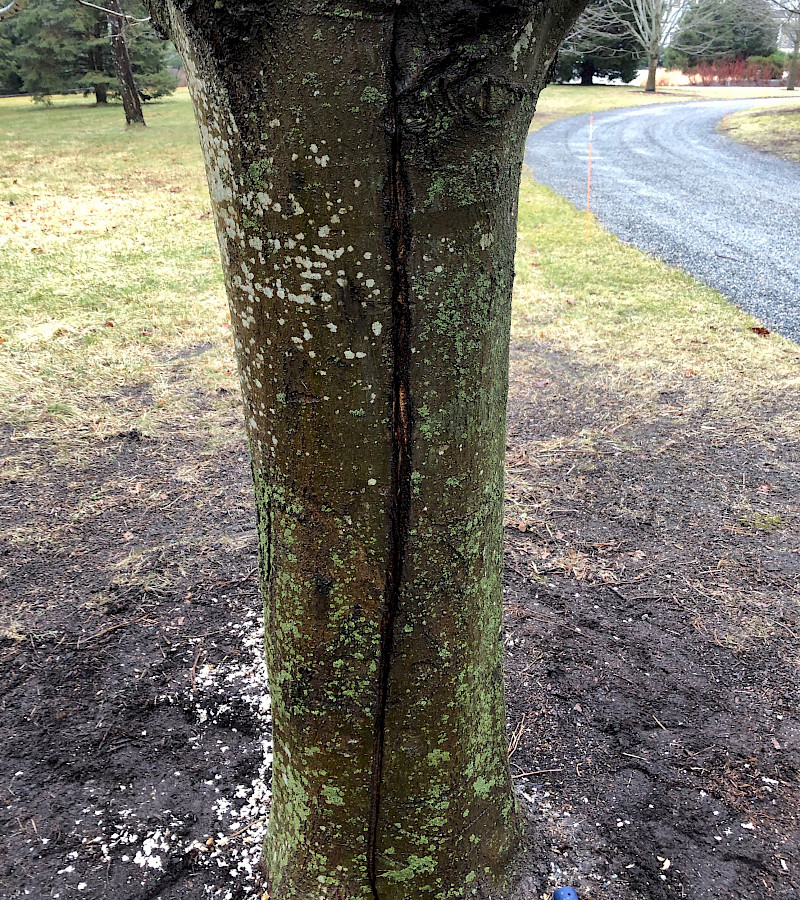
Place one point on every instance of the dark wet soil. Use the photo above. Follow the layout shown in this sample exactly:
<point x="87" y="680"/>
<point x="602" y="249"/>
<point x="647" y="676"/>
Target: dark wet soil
<point x="652" y="599"/>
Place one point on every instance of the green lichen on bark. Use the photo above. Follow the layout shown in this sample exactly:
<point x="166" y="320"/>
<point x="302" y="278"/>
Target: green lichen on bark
<point x="363" y="161"/>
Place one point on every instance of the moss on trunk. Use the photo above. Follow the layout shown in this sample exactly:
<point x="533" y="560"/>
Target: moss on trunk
<point x="364" y="178"/>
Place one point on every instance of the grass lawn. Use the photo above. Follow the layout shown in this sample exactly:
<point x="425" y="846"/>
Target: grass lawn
<point x="111" y="271"/>
<point x="771" y="130"/>
<point x="652" y="542"/>
<point x="110" y="263"/>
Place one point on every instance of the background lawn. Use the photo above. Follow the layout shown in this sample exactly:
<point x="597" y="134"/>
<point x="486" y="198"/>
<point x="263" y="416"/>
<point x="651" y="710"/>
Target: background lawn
<point x="771" y="130"/>
<point x="652" y="543"/>
<point x="111" y="275"/>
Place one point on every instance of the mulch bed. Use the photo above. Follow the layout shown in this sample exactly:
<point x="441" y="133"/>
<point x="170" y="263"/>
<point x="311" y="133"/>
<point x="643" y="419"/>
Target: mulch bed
<point x="652" y="599"/>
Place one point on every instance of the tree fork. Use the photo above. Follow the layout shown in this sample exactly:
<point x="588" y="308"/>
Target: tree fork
<point x="364" y="159"/>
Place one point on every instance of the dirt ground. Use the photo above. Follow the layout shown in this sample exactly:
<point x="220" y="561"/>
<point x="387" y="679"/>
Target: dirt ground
<point x="652" y="598"/>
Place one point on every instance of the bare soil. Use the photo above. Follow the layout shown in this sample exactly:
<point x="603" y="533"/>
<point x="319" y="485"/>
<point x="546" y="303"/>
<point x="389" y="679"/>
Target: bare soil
<point x="652" y="598"/>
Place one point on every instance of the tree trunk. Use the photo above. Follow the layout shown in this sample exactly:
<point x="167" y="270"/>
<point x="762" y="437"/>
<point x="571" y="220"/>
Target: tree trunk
<point x="364" y="181"/>
<point x="792" y="82"/>
<point x="587" y="74"/>
<point x="101" y="93"/>
<point x="650" y="86"/>
<point x="128" y="91"/>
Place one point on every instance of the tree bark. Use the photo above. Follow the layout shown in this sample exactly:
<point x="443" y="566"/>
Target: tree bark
<point x="100" y="93"/>
<point x="587" y="74"/>
<point x="792" y="82"/>
<point x="128" y="91"/>
<point x="364" y="178"/>
<point x="650" y="86"/>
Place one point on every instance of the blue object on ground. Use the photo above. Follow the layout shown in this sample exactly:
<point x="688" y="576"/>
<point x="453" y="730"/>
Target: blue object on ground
<point x="565" y="893"/>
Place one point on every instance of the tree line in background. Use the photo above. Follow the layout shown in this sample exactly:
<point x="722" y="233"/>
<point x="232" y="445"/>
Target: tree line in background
<point x="63" y="46"/>
<point x="714" y="41"/>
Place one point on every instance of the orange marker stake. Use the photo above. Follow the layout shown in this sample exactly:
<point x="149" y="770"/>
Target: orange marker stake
<point x="589" y="179"/>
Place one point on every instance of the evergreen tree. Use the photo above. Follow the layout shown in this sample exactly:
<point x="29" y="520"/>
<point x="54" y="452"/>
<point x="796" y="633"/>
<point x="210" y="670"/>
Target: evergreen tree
<point x="61" y="46"/>
<point x="736" y="29"/>
<point x="612" y="53"/>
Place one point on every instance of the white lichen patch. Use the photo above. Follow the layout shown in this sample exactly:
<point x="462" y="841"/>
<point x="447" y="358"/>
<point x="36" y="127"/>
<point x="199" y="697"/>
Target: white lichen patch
<point x="524" y="41"/>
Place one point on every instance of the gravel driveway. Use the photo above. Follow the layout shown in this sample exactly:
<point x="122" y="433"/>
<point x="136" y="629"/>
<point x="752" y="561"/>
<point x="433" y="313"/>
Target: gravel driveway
<point x="665" y="180"/>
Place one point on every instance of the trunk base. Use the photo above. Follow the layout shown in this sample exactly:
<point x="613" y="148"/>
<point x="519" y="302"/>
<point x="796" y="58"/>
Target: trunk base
<point x="650" y="86"/>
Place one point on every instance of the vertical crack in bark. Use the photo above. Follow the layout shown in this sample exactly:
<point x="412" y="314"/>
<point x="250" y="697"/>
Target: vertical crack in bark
<point x="398" y="230"/>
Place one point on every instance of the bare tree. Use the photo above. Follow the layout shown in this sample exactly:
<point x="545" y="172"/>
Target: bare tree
<point x="653" y="25"/>
<point x="789" y="13"/>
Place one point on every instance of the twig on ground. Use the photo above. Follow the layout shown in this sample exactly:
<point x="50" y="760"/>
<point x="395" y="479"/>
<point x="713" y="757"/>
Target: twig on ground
<point x="516" y="737"/>
<point x="193" y="670"/>
<point x="238" y="580"/>
<point x="222" y="841"/>
<point x="536" y="772"/>
<point x="556" y="624"/>
<point x="98" y="634"/>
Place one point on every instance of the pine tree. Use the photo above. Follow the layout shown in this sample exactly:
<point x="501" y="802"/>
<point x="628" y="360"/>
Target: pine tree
<point x="735" y="29"/>
<point x="611" y="54"/>
<point x="61" y="46"/>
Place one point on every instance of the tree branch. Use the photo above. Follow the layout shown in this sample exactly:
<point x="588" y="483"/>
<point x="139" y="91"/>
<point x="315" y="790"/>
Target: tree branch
<point x="11" y="9"/>
<point x="108" y="12"/>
